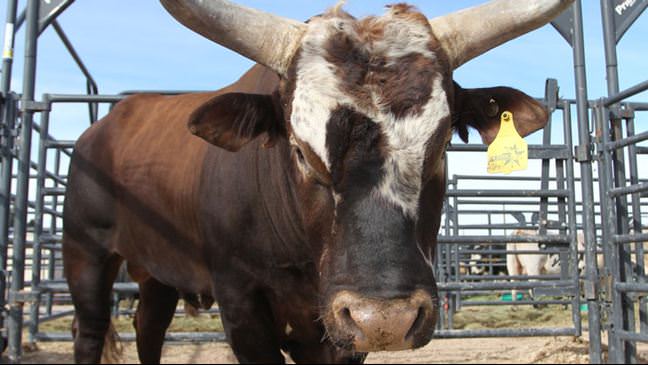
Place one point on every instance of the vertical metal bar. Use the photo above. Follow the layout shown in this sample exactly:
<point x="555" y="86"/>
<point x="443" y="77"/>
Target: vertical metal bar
<point x="565" y="263"/>
<point x="10" y="106"/>
<point x="608" y="217"/>
<point x="491" y="270"/>
<point x="439" y="257"/>
<point x="571" y="216"/>
<point x="22" y="188"/>
<point x="7" y="52"/>
<point x="637" y="224"/>
<point x="455" y="185"/>
<point x="457" y="277"/>
<point x="544" y="184"/>
<point x="587" y="186"/>
<point x="625" y="264"/>
<point x="51" y="270"/>
<point x="8" y="118"/>
<point x="38" y="220"/>
<point x="609" y="38"/>
<point x="612" y="75"/>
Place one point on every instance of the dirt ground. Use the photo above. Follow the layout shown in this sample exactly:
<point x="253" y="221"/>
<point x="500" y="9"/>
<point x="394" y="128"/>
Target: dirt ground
<point x="468" y="351"/>
<point x="566" y="350"/>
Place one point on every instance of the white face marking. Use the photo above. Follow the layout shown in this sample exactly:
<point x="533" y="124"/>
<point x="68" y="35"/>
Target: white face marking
<point x="318" y="94"/>
<point x="408" y="139"/>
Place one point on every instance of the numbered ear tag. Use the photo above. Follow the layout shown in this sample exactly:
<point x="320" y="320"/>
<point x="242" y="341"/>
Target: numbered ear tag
<point x="509" y="152"/>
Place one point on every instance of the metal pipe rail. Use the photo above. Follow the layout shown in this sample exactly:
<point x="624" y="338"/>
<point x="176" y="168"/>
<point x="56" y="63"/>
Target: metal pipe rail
<point x="469" y="303"/>
<point x="454" y="286"/>
<point x="627" y="190"/>
<point x="506" y="252"/>
<point x="509" y="277"/>
<point x="536" y="152"/>
<point x="509" y="193"/>
<point x="454" y="240"/>
<point x="72" y="98"/>
<point x="456" y="179"/>
<point x="615" y="145"/>
<point x="55" y="287"/>
<point x="630" y="238"/>
<point x="631" y="287"/>
<point x="631" y="336"/>
<point x="501" y="203"/>
<point x="177" y="337"/>
<point x="630" y="92"/>
<point x="516" y="332"/>
<point x="503" y="226"/>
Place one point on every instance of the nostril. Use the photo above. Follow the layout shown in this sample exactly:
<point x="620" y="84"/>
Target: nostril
<point x="346" y="314"/>
<point x="416" y="326"/>
<point x="346" y="318"/>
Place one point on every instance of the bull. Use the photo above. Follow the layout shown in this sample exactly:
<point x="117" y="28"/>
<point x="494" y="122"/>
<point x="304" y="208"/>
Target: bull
<point x="305" y="198"/>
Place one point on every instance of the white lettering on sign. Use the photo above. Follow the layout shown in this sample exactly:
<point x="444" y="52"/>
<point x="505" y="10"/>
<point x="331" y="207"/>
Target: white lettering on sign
<point x="621" y="8"/>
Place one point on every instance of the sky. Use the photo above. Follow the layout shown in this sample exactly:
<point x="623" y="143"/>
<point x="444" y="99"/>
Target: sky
<point x="130" y="45"/>
<point x="136" y="45"/>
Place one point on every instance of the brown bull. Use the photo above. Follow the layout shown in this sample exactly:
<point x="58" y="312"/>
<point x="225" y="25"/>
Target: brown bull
<point x="309" y="207"/>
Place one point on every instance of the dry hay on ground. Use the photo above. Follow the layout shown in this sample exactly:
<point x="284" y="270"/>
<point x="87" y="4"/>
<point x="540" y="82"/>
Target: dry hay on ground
<point x="489" y="350"/>
<point x="497" y="350"/>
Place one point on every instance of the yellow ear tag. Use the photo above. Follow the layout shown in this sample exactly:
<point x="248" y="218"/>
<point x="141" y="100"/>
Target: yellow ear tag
<point x="508" y="152"/>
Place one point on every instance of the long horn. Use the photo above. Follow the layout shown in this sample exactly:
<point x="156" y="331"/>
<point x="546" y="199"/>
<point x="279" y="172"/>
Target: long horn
<point x="262" y="37"/>
<point x="469" y="33"/>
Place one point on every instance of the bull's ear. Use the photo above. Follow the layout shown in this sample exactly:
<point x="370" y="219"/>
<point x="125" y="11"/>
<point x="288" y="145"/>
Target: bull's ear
<point x="231" y="121"/>
<point x="482" y="109"/>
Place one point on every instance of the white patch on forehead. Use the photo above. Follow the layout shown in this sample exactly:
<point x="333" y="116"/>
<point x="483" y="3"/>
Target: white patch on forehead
<point x="318" y="93"/>
<point x="407" y="140"/>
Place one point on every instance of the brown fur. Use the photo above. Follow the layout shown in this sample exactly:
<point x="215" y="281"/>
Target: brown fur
<point x="403" y="85"/>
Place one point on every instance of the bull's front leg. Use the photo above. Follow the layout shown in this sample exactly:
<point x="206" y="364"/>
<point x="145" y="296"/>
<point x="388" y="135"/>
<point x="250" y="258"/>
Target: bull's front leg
<point x="323" y="352"/>
<point x="249" y="325"/>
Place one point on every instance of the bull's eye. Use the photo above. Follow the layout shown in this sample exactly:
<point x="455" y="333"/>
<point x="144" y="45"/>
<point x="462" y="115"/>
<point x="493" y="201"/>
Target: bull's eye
<point x="493" y="108"/>
<point x="307" y="169"/>
<point x="300" y="155"/>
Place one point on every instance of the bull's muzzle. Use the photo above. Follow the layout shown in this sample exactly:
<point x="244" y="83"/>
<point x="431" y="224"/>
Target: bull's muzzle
<point x="384" y="324"/>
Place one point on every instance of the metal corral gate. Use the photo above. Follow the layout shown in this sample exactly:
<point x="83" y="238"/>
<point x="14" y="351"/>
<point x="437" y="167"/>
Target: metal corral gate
<point x="471" y="211"/>
<point x="31" y="190"/>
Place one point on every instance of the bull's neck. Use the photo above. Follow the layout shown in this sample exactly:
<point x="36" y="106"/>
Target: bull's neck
<point x="276" y="186"/>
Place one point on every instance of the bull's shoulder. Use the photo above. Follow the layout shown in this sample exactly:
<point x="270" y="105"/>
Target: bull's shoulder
<point x="140" y="119"/>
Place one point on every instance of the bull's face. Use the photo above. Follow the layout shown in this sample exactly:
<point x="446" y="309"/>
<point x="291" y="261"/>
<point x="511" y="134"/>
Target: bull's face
<point x="368" y="112"/>
<point x="367" y="107"/>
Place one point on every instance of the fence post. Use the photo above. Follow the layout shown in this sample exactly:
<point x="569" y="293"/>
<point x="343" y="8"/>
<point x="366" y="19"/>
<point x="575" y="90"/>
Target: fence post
<point x="22" y="188"/>
<point x="584" y="157"/>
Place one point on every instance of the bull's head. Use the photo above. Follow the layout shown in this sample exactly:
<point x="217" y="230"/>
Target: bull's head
<point x="368" y="107"/>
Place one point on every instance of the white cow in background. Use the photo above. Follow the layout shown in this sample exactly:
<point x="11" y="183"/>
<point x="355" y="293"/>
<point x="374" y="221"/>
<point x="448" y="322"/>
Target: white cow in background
<point x="532" y="264"/>
<point x="548" y="264"/>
